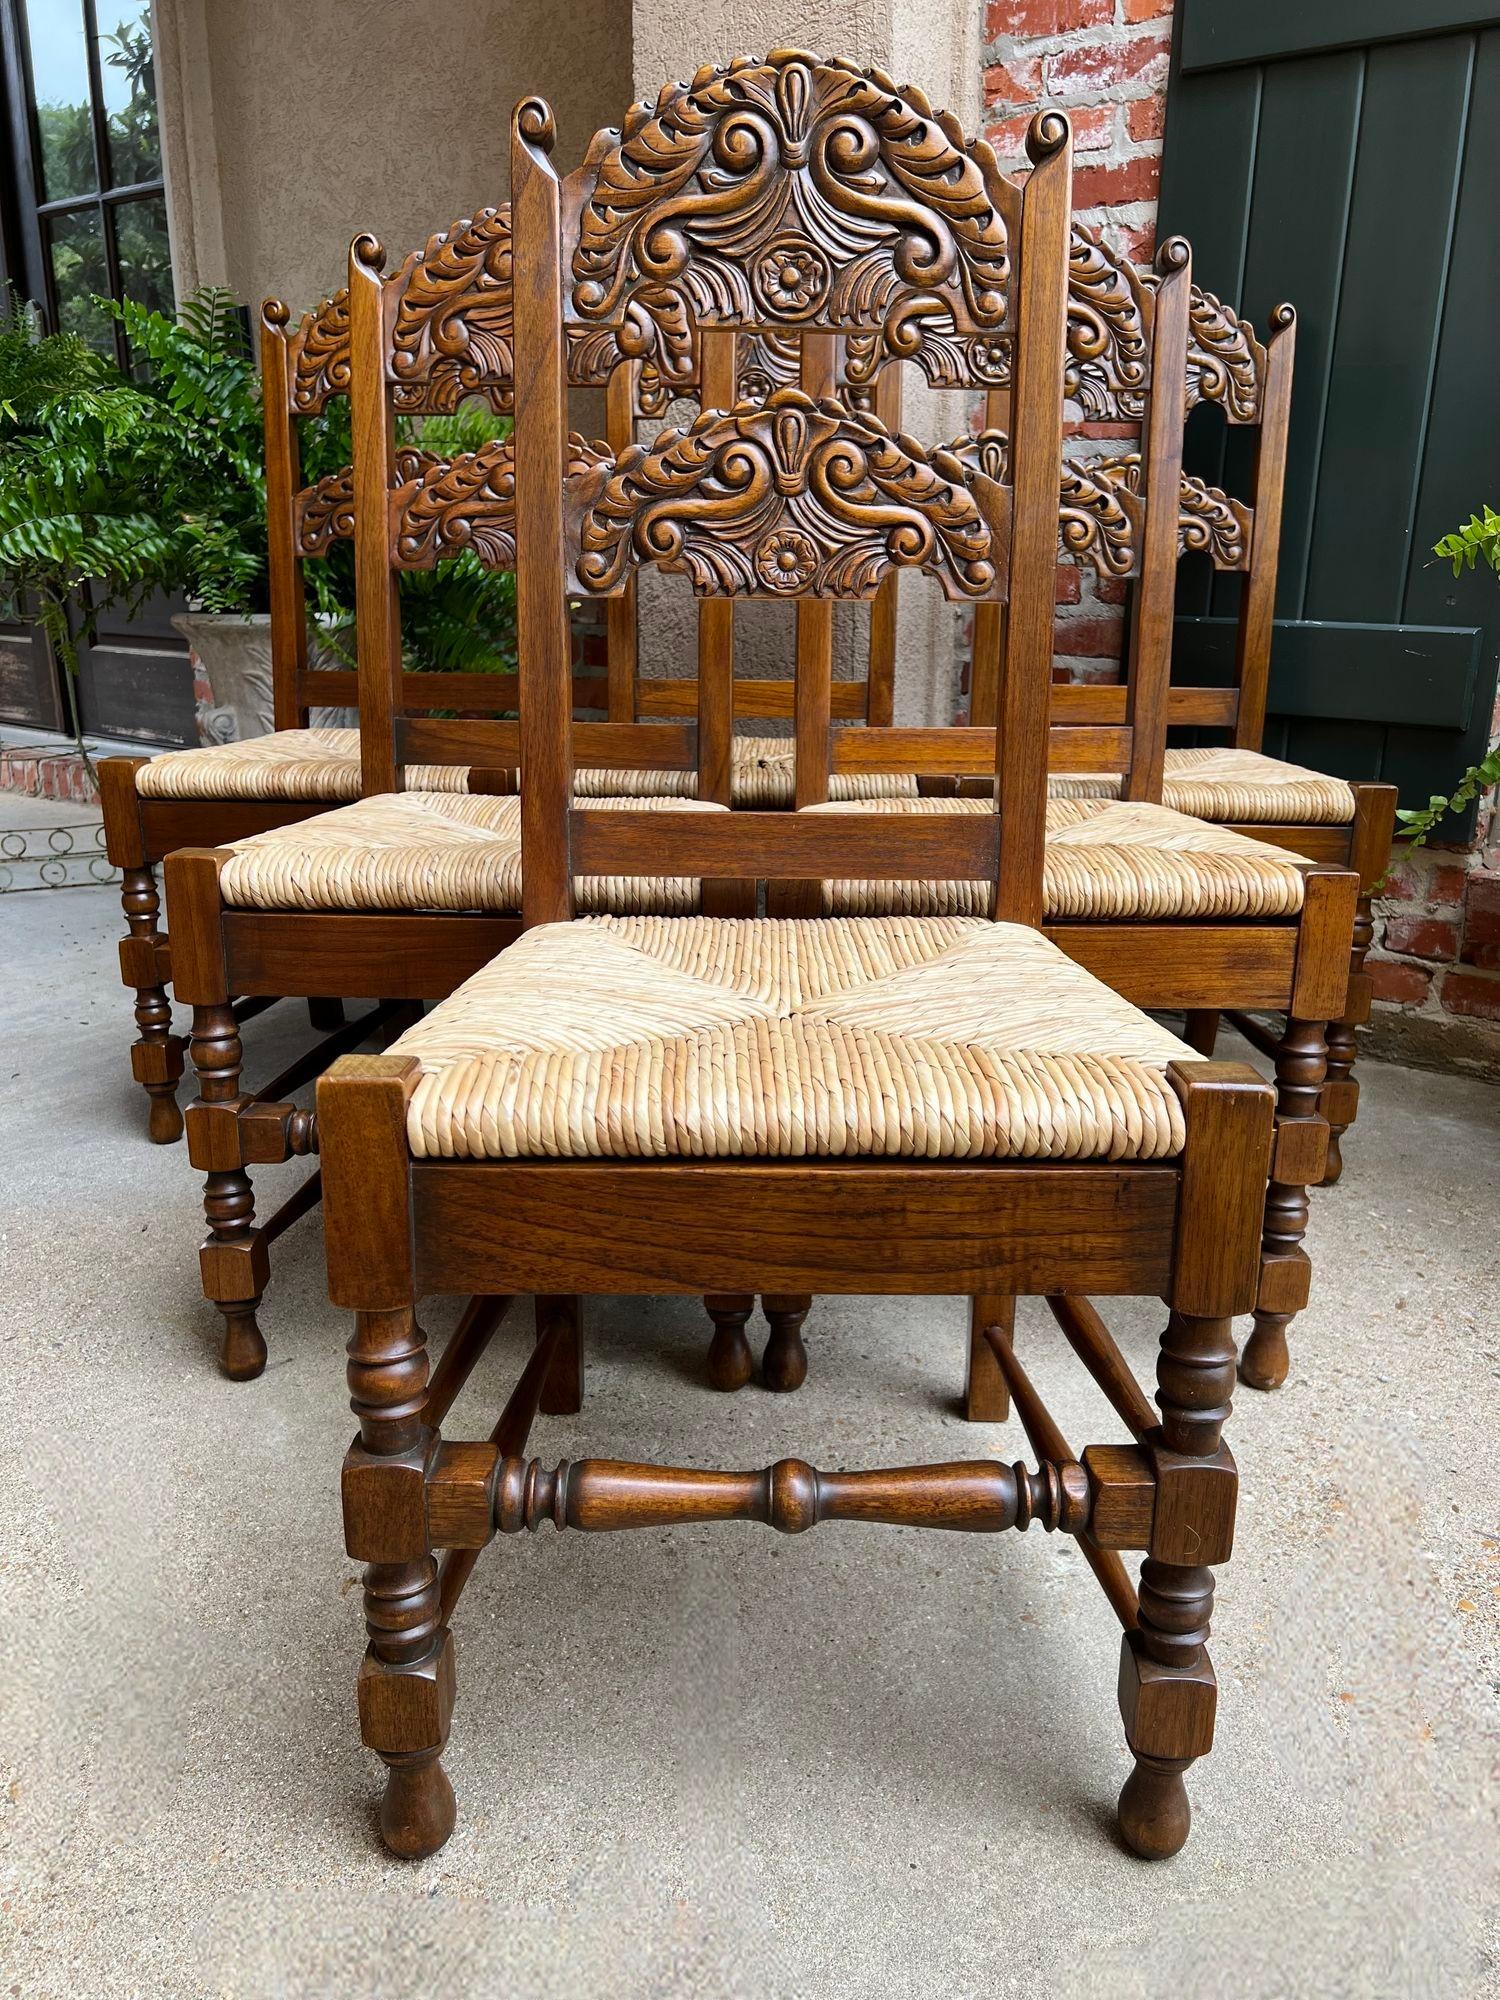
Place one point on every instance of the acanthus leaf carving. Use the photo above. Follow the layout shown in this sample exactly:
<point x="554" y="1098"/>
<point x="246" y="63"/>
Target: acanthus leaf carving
<point x="452" y="332"/>
<point x="1209" y="521"/>
<point x="1225" y="360"/>
<point x="1097" y="521"/>
<point x="789" y="495"/>
<point x="325" y="512"/>
<point x="1107" y="368"/>
<point x="446" y="506"/>
<point x="320" y="355"/>
<point x="790" y="192"/>
<point x="443" y="507"/>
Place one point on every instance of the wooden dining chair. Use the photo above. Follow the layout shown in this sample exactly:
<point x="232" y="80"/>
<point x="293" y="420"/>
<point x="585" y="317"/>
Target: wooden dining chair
<point x="408" y="890"/>
<point x="891" y="1106"/>
<point x="1344" y="824"/>
<point x="1177" y="914"/>
<point x="449" y="342"/>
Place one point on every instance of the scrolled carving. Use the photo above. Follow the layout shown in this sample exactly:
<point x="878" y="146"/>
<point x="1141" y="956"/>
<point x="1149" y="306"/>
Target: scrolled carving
<point x="325" y="512"/>
<point x="1212" y="523"/>
<point x="1098" y="519"/>
<point x="947" y="358"/>
<point x="448" y="505"/>
<point x="1225" y="359"/>
<point x="790" y="191"/>
<point x="786" y="496"/>
<point x="320" y="355"/>
<point x="452" y="333"/>
<point x="444" y="506"/>
<point x="1107" y="367"/>
<point x="1209" y="522"/>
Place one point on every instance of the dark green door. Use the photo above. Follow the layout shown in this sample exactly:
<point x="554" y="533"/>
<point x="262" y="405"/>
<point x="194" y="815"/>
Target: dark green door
<point x="1345" y="156"/>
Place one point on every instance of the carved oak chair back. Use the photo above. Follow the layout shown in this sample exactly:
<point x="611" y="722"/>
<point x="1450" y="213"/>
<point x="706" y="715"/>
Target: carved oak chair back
<point x="798" y="196"/>
<point x="444" y="336"/>
<point x="1119" y="321"/>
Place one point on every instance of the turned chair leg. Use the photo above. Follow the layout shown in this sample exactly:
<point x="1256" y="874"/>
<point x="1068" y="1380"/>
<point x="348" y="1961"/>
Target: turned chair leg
<point x="783" y="1366"/>
<point x="1167" y="1689"/>
<point x="234" y="1259"/>
<point x="156" y="1060"/>
<point x="730" y="1362"/>
<point x="986" y="1397"/>
<point x="1301" y="1065"/>
<point x="1341" y="1092"/>
<point x="406" y="1681"/>
<point x="562" y="1393"/>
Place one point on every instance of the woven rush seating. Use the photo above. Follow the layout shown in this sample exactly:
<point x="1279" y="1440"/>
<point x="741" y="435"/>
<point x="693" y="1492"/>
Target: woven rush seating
<point x="1105" y="860"/>
<point x="763" y="778"/>
<point x="1233" y="786"/>
<point x="302" y="764"/>
<point x="423" y="851"/>
<point x="291" y="764"/>
<point x="703" y="1038"/>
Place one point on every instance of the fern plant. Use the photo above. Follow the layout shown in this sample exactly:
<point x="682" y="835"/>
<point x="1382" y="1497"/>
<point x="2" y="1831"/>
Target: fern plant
<point x="112" y="488"/>
<point x="1477" y="540"/>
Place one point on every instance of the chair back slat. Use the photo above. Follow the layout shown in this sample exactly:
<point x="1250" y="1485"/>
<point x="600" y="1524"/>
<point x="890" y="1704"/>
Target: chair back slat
<point x="671" y="234"/>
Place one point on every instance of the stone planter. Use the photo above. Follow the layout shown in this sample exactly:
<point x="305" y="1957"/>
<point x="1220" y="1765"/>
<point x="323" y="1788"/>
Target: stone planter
<point x="231" y="661"/>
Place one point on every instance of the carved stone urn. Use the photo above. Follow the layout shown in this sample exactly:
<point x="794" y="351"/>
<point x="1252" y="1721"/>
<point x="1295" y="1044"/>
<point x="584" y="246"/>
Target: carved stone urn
<point x="231" y="662"/>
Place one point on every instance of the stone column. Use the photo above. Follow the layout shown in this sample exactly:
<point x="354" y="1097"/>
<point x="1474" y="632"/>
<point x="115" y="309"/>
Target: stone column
<point x="938" y="45"/>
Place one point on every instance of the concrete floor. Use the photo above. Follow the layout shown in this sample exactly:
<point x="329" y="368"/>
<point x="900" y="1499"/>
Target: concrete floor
<point x="715" y="1761"/>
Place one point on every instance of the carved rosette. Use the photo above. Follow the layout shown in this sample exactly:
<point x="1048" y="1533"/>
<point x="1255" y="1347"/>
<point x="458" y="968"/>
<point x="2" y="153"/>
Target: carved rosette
<point x="325" y="513"/>
<point x="947" y="358"/>
<point x="787" y="496"/>
<point x="794" y="191"/>
<point x="765" y="362"/>
<point x="451" y="335"/>
<point x="1225" y="359"/>
<point x="320" y="356"/>
<point x="1107" y="367"/>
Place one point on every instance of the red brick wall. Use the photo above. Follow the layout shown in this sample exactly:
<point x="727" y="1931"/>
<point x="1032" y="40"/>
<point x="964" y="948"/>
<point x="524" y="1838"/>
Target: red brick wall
<point x="1105" y="63"/>
<point x="1436" y="958"/>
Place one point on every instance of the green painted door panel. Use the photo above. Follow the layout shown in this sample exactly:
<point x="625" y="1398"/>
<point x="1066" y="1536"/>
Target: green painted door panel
<point x="1345" y="157"/>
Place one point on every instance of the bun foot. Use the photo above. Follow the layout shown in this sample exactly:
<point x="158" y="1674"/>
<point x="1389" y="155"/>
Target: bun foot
<point x="783" y="1366"/>
<point x="165" y="1121"/>
<point x="1265" y="1361"/>
<point x="419" y="1810"/>
<point x="730" y="1362"/>
<point x="1154" y="1811"/>
<point x="243" y="1355"/>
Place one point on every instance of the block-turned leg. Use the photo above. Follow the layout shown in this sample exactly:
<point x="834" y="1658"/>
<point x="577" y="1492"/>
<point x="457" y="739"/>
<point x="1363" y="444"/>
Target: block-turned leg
<point x="1299" y="1160"/>
<point x="1167" y="1690"/>
<point x="156" y="1056"/>
<point x="406" y="1682"/>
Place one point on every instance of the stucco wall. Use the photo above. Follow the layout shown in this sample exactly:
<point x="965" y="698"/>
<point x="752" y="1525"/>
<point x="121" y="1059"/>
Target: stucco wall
<point x="290" y="124"/>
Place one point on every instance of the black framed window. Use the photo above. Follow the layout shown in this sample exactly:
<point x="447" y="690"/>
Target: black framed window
<point x="91" y="212"/>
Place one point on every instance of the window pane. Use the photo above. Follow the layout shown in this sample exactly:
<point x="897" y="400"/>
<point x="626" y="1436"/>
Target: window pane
<point x="76" y="246"/>
<point x="145" y="256"/>
<point x="128" y="79"/>
<point x="60" y="80"/>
